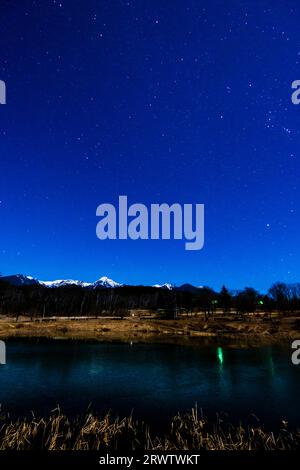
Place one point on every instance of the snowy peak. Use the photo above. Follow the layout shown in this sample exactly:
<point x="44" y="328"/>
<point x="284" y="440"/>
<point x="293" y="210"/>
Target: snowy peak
<point x="106" y="283"/>
<point x="103" y="283"/>
<point x="164" y="286"/>
<point x="20" y="280"/>
<point x="64" y="282"/>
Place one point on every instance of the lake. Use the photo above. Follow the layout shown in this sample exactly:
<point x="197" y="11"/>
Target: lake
<point x="154" y="380"/>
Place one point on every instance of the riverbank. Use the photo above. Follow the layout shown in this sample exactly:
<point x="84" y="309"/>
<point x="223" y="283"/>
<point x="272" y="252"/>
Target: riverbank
<point x="191" y="432"/>
<point x="252" y="331"/>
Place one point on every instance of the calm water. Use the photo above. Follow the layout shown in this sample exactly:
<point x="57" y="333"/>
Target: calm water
<point x="154" y="380"/>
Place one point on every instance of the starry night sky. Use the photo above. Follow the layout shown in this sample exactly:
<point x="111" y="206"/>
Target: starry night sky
<point x="164" y="101"/>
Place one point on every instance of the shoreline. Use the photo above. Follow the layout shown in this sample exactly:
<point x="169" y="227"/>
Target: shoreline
<point x="251" y="332"/>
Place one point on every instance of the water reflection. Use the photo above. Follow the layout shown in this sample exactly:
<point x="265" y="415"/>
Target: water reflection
<point x="155" y="380"/>
<point x="220" y="355"/>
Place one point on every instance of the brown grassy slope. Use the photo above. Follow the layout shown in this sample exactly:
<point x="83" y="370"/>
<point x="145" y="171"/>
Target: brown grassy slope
<point x="257" y="330"/>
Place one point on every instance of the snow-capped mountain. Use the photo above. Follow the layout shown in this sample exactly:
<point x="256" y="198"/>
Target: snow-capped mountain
<point x="164" y="286"/>
<point x="106" y="283"/>
<point x="64" y="282"/>
<point x="103" y="283"/>
<point x="21" y="280"/>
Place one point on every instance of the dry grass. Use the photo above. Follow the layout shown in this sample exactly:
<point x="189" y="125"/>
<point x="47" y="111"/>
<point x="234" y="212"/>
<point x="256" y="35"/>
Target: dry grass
<point x="189" y="432"/>
<point x="255" y="331"/>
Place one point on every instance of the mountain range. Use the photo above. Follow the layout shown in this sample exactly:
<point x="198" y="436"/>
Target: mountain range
<point x="22" y="280"/>
<point x="104" y="283"/>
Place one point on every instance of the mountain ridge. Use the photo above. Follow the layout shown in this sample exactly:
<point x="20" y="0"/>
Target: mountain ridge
<point x="103" y="282"/>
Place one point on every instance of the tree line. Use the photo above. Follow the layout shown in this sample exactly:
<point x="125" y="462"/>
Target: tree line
<point x="36" y="301"/>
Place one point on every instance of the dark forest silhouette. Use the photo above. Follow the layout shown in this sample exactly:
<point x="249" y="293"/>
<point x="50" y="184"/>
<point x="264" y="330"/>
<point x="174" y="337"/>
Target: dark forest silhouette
<point x="36" y="301"/>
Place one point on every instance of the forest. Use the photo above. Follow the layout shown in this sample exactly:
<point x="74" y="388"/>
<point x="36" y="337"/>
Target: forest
<point x="35" y="301"/>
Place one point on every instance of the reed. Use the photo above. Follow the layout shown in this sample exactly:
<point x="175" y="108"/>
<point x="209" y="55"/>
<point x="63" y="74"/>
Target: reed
<point x="191" y="431"/>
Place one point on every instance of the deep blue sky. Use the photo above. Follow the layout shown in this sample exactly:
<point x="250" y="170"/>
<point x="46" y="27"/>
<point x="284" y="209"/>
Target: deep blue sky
<point x="164" y="101"/>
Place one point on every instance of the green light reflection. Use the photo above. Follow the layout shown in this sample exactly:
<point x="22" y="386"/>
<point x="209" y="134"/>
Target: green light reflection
<point x="220" y="355"/>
